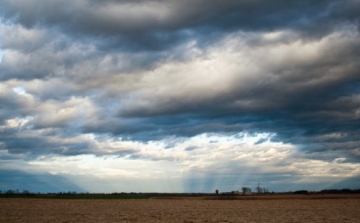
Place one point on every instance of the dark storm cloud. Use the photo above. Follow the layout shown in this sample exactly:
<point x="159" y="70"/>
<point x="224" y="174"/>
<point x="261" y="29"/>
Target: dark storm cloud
<point x="19" y="141"/>
<point x="160" y="24"/>
<point x="53" y="43"/>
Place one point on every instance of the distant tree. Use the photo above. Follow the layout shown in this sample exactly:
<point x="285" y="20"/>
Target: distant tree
<point x="10" y="192"/>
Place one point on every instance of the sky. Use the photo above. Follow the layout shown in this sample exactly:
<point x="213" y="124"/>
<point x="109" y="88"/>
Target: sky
<point x="179" y="96"/>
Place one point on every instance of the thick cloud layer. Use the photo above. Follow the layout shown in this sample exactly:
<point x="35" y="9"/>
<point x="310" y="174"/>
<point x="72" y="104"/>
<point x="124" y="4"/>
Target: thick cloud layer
<point x="139" y="80"/>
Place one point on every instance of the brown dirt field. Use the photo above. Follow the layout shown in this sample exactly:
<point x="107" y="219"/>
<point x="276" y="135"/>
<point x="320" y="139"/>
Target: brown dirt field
<point x="297" y="209"/>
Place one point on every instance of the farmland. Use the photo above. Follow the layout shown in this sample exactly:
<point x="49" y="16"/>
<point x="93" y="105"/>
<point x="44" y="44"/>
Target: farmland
<point x="290" y="208"/>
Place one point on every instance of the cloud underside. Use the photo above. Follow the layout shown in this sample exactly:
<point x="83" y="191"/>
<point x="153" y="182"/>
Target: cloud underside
<point x="143" y="81"/>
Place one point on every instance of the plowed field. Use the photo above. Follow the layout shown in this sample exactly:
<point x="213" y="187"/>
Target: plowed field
<point x="180" y="210"/>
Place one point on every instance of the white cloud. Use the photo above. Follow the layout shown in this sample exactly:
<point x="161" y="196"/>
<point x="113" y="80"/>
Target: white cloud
<point x="57" y="113"/>
<point x="233" y="66"/>
<point x="215" y="155"/>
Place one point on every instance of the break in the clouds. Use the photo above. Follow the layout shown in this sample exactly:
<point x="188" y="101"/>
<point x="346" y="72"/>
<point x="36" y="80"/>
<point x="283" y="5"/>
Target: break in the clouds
<point x="179" y="96"/>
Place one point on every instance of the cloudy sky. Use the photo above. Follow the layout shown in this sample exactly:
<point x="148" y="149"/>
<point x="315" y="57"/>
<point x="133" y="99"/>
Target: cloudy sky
<point x="179" y="96"/>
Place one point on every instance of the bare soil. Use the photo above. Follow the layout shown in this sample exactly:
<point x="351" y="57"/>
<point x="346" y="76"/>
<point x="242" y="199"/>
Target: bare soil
<point x="264" y="209"/>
